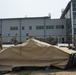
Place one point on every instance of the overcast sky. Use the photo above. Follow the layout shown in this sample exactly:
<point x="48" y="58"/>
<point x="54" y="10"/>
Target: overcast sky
<point x="31" y="8"/>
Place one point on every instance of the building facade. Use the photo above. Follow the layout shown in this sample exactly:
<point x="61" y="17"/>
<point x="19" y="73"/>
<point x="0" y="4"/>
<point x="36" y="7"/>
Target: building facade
<point x="70" y="15"/>
<point x="61" y="30"/>
<point x="40" y="27"/>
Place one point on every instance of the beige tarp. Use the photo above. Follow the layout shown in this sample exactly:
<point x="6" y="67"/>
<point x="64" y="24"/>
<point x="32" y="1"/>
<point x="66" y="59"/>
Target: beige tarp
<point x="34" y="53"/>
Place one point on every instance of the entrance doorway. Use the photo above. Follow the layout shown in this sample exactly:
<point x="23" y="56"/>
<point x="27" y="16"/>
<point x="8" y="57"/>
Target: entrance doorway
<point x="60" y="40"/>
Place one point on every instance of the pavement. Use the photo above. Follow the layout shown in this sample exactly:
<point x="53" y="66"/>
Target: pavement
<point x="64" y="44"/>
<point x="7" y="45"/>
<point x="59" y="44"/>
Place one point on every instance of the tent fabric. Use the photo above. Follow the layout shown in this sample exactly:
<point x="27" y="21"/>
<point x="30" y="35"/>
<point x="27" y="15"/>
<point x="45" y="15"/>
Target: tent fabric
<point x="35" y="53"/>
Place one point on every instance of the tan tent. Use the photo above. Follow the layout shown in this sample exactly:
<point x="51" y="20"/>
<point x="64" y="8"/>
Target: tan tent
<point x="34" y="53"/>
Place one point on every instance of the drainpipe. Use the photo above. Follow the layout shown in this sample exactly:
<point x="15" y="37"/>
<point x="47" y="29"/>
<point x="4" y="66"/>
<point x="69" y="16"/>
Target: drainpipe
<point x="1" y="31"/>
<point x="20" y="30"/>
<point x="72" y="23"/>
<point x="44" y="29"/>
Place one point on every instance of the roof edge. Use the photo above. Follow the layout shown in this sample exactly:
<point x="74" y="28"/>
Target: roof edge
<point x="66" y="9"/>
<point x="25" y="18"/>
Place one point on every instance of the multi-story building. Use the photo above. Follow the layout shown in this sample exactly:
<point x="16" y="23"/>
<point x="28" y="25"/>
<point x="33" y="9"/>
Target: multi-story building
<point x="62" y="29"/>
<point x="70" y="15"/>
<point x="40" y="27"/>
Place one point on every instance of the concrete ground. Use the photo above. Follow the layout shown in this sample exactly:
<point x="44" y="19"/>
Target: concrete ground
<point x="48" y="72"/>
<point x="7" y="45"/>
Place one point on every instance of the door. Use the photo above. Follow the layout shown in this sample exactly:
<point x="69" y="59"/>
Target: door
<point x="59" y="40"/>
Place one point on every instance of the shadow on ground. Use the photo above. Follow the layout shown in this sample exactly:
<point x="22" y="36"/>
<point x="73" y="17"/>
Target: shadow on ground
<point x="41" y="71"/>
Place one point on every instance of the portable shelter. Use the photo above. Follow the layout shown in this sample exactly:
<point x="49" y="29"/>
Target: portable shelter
<point x="35" y="53"/>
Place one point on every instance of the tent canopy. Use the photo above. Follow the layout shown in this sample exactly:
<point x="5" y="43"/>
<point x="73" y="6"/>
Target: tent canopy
<point x="34" y="53"/>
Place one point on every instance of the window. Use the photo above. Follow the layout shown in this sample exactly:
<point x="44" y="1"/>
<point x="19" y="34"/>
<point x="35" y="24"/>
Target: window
<point x="27" y="34"/>
<point x="62" y="26"/>
<point x="50" y="27"/>
<point x="74" y="9"/>
<point x="74" y="15"/>
<point x="14" y="28"/>
<point x="30" y="27"/>
<point x="39" y="27"/>
<point x="0" y="34"/>
<point x="23" y="27"/>
<point x="59" y="26"/>
<point x="62" y="40"/>
<point x="16" y="34"/>
<point x="74" y="4"/>
<point x="8" y="34"/>
<point x="75" y="30"/>
<point x="74" y="24"/>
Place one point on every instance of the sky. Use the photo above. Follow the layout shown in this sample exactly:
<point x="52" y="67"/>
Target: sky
<point x="31" y="8"/>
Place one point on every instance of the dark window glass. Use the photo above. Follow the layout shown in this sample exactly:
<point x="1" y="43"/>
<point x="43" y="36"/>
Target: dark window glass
<point x="16" y="34"/>
<point x="27" y="34"/>
<point x="75" y="30"/>
<point x="8" y="34"/>
<point x="59" y="26"/>
<point x="42" y="27"/>
<point x="50" y="27"/>
<point x="74" y="15"/>
<point x="62" y="40"/>
<point x="62" y="26"/>
<point x="39" y="27"/>
<point x="23" y="27"/>
<point x="30" y="27"/>
<point x="47" y="27"/>
<point x="74" y="8"/>
<point x="14" y="28"/>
